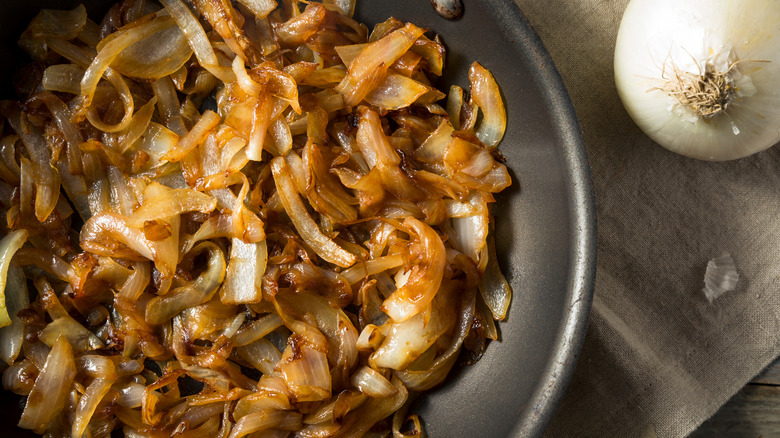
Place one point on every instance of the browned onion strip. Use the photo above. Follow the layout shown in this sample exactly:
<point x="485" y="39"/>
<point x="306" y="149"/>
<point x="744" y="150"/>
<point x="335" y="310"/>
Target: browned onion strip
<point x="207" y="122"/>
<point x="310" y="232"/>
<point x="162" y="308"/>
<point x="170" y="203"/>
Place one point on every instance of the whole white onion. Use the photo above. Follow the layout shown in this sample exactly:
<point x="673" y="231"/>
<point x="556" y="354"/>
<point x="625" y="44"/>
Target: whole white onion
<point x="702" y="77"/>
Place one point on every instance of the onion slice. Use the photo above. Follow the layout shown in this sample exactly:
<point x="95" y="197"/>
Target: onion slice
<point x="245" y="270"/>
<point x="372" y="383"/>
<point x="15" y="299"/>
<point x="425" y="275"/>
<point x="326" y="248"/>
<point x="197" y="38"/>
<point x="51" y="388"/>
<point x="261" y="8"/>
<point x="383" y="52"/>
<point x="169" y="203"/>
<point x="111" y="49"/>
<point x="486" y="95"/>
<point x="493" y="286"/>
<point x="8" y="247"/>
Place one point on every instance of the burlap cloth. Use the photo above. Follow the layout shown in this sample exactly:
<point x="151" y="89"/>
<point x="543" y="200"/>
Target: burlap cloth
<point x="658" y="358"/>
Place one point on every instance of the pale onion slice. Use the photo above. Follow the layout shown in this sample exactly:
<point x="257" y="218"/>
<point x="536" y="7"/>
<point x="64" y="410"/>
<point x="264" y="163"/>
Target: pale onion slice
<point x="325" y="415"/>
<point x="222" y="226"/>
<point x="138" y="125"/>
<point x="159" y="54"/>
<point x="265" y="420"/>
<point x="249" y="85"/>
<point x="109" y="227"/>
<point x="76" y="189"/>
<point x="310" y="232"/>
<point x="157" y="141"/>
<point x="77" y="335"/>
<point x="493" y="286"/>
<point x="111" y="49"/>
<point x="169" y="106"/>
<point x="423" y="380"/>
<point x="396" y="92"/>
<point x="305" y="370"/>
<point x="65" y="78"/>
<point x="363" y="269"/>
<point x="471" y="231"/>
<point x="89" y="401"/>
<point x="243" y="281"/>
<point x="272" y="393"/>
<point x="370" y="382"/>
<point x="130" y="395"/>
<point x="8" y="247"/>
<point x="197" y="39"/>
<point x="429" y="259"/>
<point x="487" y="96"/>
<point x="261" y="8"/>
<point x="261" y="354"/>
<point x="405" y="341"/>
<point x="370" y="338"/>
<point x="136" y="283"/>
<point x="16" y="299"/>
<point x="282" y="136"/>
<point x="344" y="7"/>
<point x="42" y="174"/>
<point x="431" y="151"/>
<point x="348" y="53"/>
<point x="122" y="197"/>
<point x="257" y="329"/>
<point x="331" y="322"/>
<point x="50" y="391"/>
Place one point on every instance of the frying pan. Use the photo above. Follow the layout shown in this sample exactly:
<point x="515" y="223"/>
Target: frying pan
<point x="545" y="228"/>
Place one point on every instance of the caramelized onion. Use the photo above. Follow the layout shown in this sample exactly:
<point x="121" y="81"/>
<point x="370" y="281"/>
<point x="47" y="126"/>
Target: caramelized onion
<point x="283" y="234"/>
<point x="50" y="391"/>
<point x="9" y="245"/>
<point x="486" y="95"/>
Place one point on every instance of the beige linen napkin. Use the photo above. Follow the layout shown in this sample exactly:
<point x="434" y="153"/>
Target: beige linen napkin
<point x="658" y="358"/>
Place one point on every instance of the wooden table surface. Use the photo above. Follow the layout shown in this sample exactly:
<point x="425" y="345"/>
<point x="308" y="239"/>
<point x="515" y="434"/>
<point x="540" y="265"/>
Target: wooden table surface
<point x="753" y="412"/>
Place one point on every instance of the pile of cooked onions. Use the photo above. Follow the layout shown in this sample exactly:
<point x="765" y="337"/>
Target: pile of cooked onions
<point x="231" y="219"/>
